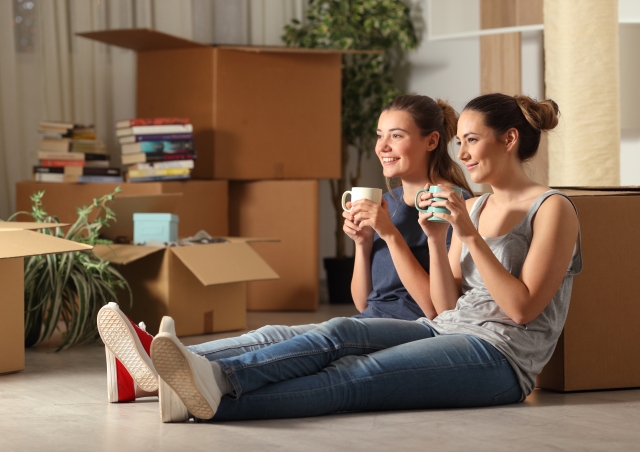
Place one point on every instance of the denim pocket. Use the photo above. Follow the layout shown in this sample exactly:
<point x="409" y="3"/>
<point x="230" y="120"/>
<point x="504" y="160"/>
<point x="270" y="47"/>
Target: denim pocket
<point x="511" y="396"/>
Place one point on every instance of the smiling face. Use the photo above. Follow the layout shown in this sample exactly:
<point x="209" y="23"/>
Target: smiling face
<point x="485" y="155"/>
<point x="402" y="150"/>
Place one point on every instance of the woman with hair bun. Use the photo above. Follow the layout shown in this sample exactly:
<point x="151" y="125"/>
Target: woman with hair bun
<point x="501" y="295"/>
<point x="390" y="277"/>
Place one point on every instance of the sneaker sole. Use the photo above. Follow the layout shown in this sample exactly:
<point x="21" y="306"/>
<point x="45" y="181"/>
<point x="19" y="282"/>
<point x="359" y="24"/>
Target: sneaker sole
<point x="113" y="329"/>
<point x="176" y="372"/>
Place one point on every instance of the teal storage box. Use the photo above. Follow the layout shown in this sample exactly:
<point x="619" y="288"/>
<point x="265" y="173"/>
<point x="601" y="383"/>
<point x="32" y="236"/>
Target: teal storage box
<point x="161" y="227"/>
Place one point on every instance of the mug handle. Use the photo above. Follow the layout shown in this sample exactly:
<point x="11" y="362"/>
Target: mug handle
<point x="344" y="199"/>
<point x="416" y="200"/>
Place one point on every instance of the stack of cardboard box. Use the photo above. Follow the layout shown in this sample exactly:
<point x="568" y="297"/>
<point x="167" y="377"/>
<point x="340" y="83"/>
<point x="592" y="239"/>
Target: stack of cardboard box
<point x="266" y="124"/>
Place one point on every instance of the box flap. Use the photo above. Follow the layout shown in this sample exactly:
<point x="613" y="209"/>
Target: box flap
<point x="124" y="254"/>
<point x="251" y="239"/>
<point x="23" y="243"/>
<point x="283" y="49"/>
<point x="631" y="190"/>
<point x="221" y="263"/>
<point x="125" y="206"/>
<point x="22" y="225"/>
<point x="140" y="39"/>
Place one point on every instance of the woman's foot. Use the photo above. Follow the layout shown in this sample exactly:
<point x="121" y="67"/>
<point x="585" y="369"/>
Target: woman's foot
<point x="129" y="367"/>
<point x="188" y="374"/>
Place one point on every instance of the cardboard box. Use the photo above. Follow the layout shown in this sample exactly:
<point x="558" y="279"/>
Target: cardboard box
<point x="257" y="112"/>
<point x="600" y="345"/>
<point x="203" y="287"/>
<point x="203" y="205"/>
<point x="287" y="210"/>
<point x="16" y="243"/>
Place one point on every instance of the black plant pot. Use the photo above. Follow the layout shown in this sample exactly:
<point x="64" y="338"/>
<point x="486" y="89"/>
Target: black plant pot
<point x="339" y="273"/>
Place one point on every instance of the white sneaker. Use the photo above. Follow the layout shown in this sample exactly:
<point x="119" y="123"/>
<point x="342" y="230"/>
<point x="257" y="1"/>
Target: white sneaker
<point x="171" y="407"/>
<point x="188" y="374"/>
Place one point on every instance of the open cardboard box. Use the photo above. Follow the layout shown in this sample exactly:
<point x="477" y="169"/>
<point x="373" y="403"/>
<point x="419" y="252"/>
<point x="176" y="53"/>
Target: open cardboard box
<point x="600" y="344"/>
<point x="203" y="287"/>
<point x="257" y="112"/>
<point x="16" y="243"/>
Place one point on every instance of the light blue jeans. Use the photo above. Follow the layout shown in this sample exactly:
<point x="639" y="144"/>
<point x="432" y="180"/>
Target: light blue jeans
<point x="253" y="340"/>
<point x="349" y="364"/>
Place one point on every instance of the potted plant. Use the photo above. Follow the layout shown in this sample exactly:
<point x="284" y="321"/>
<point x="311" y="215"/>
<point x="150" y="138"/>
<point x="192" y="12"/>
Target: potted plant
<point x="69" y="287"/>
<point x="384" y="29"/>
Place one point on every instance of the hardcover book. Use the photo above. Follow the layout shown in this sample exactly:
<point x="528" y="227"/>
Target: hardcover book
<point x="55" y="144"/>
<point x="158" y="146"/>
<point x="149" y="122"/>
<point x="155" y="137"/>
<point x="143" y="157"/>
<point x="149" y="130"/>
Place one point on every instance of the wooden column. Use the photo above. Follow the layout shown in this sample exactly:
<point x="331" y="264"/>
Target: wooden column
<point x="501" y="58"/>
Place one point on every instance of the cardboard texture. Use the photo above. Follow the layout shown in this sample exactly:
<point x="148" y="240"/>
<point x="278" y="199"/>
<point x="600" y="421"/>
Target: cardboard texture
<point x="600" y="344"/>
<point x="287" y="210"/>
<point x="240" y="101"/>
<point x="203" y="287"/>
<point x="16" y="243"/>
<point x="203" y="205"/>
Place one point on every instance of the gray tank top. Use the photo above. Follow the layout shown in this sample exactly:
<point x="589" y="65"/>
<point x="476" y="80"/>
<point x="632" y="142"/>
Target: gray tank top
<point x="526" y="347"/>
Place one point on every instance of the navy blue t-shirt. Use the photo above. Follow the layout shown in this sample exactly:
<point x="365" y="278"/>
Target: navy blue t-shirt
<point x="389" y="298"/>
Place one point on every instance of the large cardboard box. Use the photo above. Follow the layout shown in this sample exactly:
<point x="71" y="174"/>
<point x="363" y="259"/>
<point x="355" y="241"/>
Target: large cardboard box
<point x="203" y="287"/>
<point x="600" y="345"/>
<point x="257" y="112"/>
<point x="203" y="205"/>
<point x="287" y="210"/>
<point x="16" y="243"/>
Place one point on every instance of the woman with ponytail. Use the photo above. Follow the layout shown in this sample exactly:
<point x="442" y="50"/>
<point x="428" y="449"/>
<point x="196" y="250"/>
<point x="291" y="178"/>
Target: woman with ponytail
<point x="501" y="295"/>
<point x="390" y="277"/>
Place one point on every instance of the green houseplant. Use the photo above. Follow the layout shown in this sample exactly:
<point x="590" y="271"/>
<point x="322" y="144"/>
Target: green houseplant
<point x="382" y="28"/>
<point x="69" y="287"/>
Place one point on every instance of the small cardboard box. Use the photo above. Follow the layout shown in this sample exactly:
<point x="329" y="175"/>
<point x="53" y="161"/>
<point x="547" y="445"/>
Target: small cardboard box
<point x="203" y="287"/>
<point x="600" y="344"/>
<point x="203" y="205"/>
<point x="16" y="243"/>
<point x="257" y="112"/>
<point x="287" y="210"/>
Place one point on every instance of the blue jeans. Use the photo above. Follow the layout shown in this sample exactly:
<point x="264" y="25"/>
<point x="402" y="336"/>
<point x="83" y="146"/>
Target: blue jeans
<point x="349" y="364"/>
<point x="253" y="340"/>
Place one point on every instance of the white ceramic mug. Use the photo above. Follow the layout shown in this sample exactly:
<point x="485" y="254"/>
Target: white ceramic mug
<point x="373" y="194"/>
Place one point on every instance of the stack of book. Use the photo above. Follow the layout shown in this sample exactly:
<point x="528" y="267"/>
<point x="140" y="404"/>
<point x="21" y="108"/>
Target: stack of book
<point x="156" y="149"/>
<point x="71" y="152"/>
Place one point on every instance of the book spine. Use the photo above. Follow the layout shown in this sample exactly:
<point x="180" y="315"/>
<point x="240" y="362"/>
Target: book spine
<point x="100" y="171"/>
<point x="148" y="130"/>
<point x="49" y="169"/>
<point x="163" y="157"/>
<point x="166" y="146"/>
<point x="99" y="179"/>
<point x="56" y="163"/>
<point x="153" y="121"/>
<point x="44" y="177"/>
<point x="158" y="172"/>
<point x="160" y="178"/>
<point x="61" y="156"/>
<point x="92" y="156"/>
<point x="156" y="137"/>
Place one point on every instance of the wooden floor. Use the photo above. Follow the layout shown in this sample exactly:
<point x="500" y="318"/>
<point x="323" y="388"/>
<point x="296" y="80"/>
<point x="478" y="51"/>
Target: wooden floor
<point x="59" y="403"/>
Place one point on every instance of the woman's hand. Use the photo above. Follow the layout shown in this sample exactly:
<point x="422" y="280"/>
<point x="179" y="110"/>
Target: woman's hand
<point x="360" y="235"/>
<point x="433" y="230"/>
<point x="367" y="213"/>
<point x="458" y="218"/>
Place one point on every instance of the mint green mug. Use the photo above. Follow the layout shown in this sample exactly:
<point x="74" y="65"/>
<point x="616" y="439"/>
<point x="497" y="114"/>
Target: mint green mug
<point x="432" y="209"/>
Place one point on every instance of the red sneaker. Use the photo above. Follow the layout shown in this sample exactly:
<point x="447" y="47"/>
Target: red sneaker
<point x="127" y="348"/>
